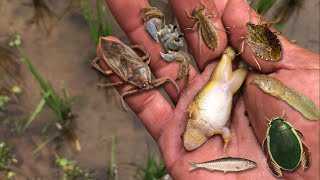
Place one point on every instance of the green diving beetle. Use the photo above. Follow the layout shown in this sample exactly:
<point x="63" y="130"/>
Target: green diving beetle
<point x="284" y="148"/>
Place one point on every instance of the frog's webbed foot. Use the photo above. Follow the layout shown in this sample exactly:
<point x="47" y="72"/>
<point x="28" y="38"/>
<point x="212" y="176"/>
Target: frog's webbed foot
<point x="181" y="57"/>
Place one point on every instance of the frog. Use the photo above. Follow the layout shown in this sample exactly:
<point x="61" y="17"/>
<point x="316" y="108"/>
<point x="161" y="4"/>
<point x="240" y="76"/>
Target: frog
<point x="210" y="110"/>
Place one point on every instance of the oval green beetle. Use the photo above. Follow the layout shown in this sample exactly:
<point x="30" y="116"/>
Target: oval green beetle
<point x="284" y="148"/>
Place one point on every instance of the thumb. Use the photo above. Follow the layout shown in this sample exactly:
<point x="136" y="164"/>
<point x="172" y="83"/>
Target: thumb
<point x="237" y="13"/>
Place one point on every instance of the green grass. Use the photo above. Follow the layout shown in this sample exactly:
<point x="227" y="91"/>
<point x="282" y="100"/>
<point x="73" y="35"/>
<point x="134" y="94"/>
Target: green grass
<point x="6" y="158"/>
<point x="152" y="169"/>
<point x="283" y="11"/>
<point x="72" y="171"/>
<point x="263" y="6"/>
<point x="97" y="21"/>
<point x="61" y="106"/>
<point x="113" y="166"/>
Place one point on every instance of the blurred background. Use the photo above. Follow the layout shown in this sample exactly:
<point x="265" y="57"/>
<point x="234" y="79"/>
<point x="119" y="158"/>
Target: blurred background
<point x="45" y="75"/>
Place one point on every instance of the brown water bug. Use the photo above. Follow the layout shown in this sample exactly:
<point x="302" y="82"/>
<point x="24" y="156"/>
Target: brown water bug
<point x="284" y="148"/>
<point x="128" y="65"/>
<point x="206" y="28"/>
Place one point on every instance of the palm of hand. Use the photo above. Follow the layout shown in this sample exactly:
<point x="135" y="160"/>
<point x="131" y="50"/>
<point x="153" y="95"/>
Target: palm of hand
<point x="166" y="124"/>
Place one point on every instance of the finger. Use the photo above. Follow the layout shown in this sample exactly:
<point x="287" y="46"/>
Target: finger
<point x="236" y="13"/>
<point x="261" y="106"/>
<point x="150" y="106"/>
<point x="196" y="45"/>
<point x="131" y="23"/>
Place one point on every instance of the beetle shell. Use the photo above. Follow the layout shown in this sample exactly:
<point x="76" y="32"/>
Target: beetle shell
<point x="284" y="145"/>
<point x="124" y="62"/>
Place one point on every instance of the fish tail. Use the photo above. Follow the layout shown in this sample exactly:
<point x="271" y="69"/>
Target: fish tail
<point x="193" y="166"/>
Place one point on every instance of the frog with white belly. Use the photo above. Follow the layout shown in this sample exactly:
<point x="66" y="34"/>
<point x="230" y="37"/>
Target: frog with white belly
<point x="210" y="110"/>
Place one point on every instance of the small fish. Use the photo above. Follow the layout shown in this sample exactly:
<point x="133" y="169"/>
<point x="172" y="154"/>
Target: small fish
<point x="297" y="100"/>
<point x="226" y="164"/>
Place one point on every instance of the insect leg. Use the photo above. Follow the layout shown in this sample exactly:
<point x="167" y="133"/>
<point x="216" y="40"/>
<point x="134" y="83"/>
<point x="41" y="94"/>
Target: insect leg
<point x="189" y="15"/>
<point x="204" y="6"/>
<point x="273" y="22"/>
<point x="130" y="91"/>
<point x="94" y="63"/>
<point x="194" y="26"/>
<point x="160" y="81"/>
<point x="146" y="56"/>
<point x="273" y="167"/>
<point x="306" y="155"/>
<point x="111" y="84"/>
<point x="299" y="132"/>
<point x="242" y="47"/>
<point x="218" y="28"/>
<point x="254" y="57"/>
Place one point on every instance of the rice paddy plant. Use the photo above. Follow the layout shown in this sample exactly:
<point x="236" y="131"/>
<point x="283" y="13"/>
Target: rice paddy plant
<point x="72" y="171"/>
<point x="113" y="171"/>
<point x="152" y="170"/>
<point x="282" y="12"/>
<point x="262" y="6"/>
<point x="60" y="105"/>
<point x="6" y="159"/>
<point x="97" y="22"/>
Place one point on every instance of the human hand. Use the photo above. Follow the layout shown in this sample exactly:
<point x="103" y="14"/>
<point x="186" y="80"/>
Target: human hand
<point x="165" y="123"/>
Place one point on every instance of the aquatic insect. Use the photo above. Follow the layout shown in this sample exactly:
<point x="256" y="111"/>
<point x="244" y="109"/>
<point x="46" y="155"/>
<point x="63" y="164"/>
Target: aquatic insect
<point x="210" y="110"/>
<point x="263" y="42"/>
<point x="170" y="38"/>
<point x="128" y="65"/>
<point x="297" y="100"/>
<point x="284" y="148"/>
<point x="226" y="164"/>
<point x="181" y="57"/>
<point x="206" y="28"/>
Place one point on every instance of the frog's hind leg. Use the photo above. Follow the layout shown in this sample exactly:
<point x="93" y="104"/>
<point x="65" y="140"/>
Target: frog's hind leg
<point x="237" y="78"/>
<point x="226" y="135"/>
<point x="306" y="156"/>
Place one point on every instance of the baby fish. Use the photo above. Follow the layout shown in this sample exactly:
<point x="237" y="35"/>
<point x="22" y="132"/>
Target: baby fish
<point x="210" y="111"/>
<point x="226" y="164"/>
<point x="297" y="100"/>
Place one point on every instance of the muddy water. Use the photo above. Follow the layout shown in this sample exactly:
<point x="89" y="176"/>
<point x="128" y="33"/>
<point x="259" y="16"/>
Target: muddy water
<point x="61" y="51"/>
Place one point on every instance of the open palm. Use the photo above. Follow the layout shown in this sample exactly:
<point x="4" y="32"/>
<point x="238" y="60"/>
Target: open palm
<point x="166" y="123"/>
